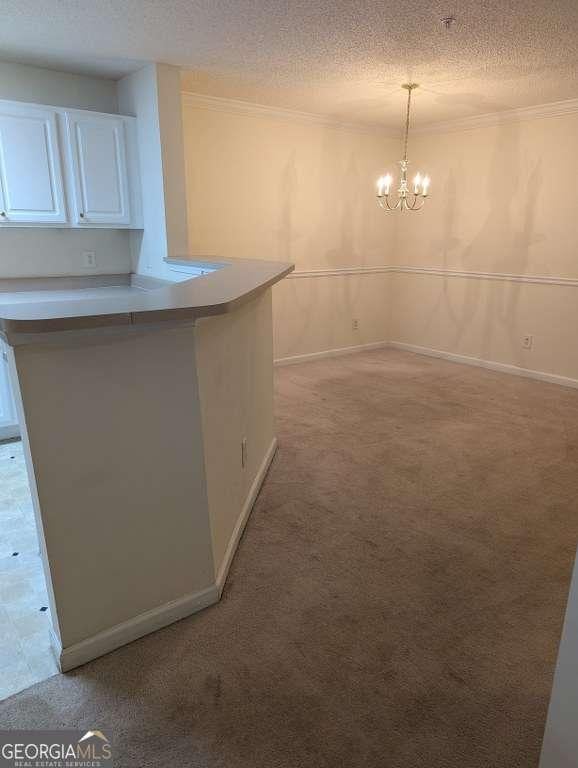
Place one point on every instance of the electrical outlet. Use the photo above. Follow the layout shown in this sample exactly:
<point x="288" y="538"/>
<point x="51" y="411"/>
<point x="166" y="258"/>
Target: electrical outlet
<point x="243" y="451"/>
<point x="89" y="259"/>
<point x="528" y="341"/>
<point x="355" y="324"/>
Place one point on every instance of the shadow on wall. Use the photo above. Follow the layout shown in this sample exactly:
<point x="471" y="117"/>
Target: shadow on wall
<point x="287" y="234"/>
<point x="333" y="234"/>
<point x="502" y="242"/>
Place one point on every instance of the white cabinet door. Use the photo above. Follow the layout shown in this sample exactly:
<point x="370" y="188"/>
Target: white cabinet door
<point x="8" y="421"/>
<point x="99" y="167"/>
<point x="30" y="169"/>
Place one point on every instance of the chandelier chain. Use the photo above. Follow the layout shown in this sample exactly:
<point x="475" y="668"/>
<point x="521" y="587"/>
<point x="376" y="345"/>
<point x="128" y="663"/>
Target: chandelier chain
<point x="409" y="90"/>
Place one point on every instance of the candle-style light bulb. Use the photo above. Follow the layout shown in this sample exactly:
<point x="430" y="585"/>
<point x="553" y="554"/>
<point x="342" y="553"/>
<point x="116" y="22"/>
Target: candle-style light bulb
<point x="425" y="185"/>
<point x="387" y="182"/>
<point x="417" y="183"/>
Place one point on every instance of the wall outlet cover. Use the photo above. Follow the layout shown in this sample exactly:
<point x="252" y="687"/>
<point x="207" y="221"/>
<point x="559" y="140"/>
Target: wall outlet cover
<point x="89" y="259"/>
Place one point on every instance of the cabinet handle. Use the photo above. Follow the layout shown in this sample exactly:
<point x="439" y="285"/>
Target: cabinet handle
<point x="81" y="215"/>
<point x="3" y="214"/>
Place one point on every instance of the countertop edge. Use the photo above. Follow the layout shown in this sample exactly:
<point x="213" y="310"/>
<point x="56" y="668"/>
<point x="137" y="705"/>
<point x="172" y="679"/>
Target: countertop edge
<point x="175" y="303"/>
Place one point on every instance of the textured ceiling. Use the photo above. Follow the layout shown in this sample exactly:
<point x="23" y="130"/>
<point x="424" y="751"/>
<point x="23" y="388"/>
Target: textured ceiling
<point x="336" y="57"/>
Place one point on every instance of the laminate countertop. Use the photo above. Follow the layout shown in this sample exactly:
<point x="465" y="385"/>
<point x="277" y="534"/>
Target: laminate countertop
<point x="38" y="306"/>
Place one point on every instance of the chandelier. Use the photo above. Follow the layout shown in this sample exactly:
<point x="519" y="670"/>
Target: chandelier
<point x="406" y="200"/>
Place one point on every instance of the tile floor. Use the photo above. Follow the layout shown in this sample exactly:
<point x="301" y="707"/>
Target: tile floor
<point x="25" y="653"/>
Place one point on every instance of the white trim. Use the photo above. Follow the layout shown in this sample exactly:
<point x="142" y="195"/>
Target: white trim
<point x="339" y="271"/>
<point x="502" y="276"/>
<point x="492" y="119"/>
<point x="223" y="571"/>
<point x="294" y="359"/>
<point x="249" y="109"/>
<point x="487" y="120"/>
<point x="74" y="655"/>
<point x="515" y="370"/>
<point x="435" y="271"/>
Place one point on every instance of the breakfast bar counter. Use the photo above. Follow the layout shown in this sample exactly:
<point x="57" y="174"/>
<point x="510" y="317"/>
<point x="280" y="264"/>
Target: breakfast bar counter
<point x="146" y="413"/>
<point x="199" y="289"/>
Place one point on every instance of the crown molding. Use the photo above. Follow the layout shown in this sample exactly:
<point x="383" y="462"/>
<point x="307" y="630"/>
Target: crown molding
<point x="493" y="119"/>
<point x="248" y="109"/>
<point x="488" y="120"/>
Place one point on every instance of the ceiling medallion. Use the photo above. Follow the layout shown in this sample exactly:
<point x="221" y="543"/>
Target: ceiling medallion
<point x="406" y="200"/>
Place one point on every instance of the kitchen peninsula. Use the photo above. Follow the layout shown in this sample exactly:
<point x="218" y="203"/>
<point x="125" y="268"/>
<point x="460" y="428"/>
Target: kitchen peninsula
<point x="146" y="412"/>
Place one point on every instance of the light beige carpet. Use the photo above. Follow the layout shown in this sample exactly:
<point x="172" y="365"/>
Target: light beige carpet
<point x="397" y="598"/>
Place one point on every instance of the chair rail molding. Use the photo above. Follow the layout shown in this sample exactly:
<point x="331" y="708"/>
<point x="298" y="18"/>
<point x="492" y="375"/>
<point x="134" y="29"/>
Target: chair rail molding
<point x="434" y="271"/>
<point x="473" y="275"/>
<point x="339" y="271"/>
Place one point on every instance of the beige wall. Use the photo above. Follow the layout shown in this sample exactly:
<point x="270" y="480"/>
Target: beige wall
<point x="21" y="82"/>
<point x="315" y="313"/>
<point x="503" y="201"/>
<point x="235" y="371"/>
<point x="282" y="188"/>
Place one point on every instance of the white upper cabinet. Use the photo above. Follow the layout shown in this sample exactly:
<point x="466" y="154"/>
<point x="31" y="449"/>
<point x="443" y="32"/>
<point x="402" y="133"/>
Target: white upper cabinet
<point x="98" y="153"/>
<point x="31" y="189"/>
<point x="68" y="168"/>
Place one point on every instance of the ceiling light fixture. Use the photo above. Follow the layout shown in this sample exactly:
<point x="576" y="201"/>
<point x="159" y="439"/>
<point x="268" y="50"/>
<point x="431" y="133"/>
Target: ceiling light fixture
<point x="406" y="200"/>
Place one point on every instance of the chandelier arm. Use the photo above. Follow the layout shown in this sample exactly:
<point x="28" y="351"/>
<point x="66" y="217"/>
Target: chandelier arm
<point x="384" y="203"/>
<point x="418" y="203"/>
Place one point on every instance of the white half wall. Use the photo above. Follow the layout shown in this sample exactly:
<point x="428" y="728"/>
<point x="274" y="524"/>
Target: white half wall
<point x="235" y="370"/>
<point x="125" y="519"/>
<point x="560" y="746"/>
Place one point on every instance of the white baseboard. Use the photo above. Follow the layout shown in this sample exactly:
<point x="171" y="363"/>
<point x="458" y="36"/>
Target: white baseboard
<point x="515" y="370"/>
<point x="110" y="639"/>
<point x="294" y="359"/>
<point x="74" y="655"/>
<point x="223" y="571"/>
